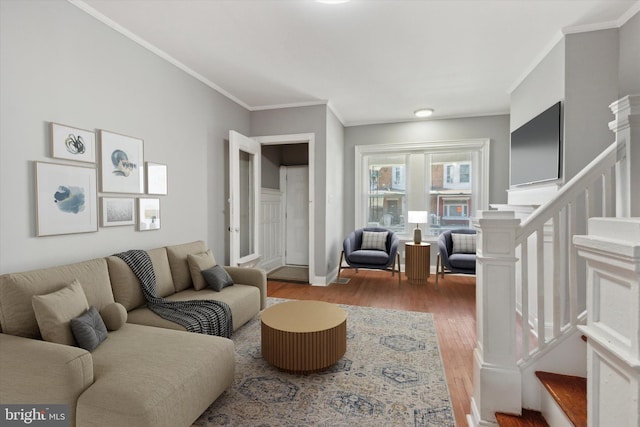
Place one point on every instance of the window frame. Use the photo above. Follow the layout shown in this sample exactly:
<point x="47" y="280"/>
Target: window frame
<point x="478" y="147"/>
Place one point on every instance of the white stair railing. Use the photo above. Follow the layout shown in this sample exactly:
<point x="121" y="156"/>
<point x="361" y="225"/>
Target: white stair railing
<point x="531" y="293"/>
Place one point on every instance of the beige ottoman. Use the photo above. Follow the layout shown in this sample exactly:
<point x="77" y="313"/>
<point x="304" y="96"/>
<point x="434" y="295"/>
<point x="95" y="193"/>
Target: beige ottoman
<point x="303" y="336"/>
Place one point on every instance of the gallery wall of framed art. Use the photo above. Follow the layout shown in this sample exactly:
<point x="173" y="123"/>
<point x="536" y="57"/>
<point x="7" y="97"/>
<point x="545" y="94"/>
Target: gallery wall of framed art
<point x="68" y="191"/>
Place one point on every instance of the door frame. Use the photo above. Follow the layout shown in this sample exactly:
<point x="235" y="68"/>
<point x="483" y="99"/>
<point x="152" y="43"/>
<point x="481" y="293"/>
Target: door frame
<point x="301" y="138"/>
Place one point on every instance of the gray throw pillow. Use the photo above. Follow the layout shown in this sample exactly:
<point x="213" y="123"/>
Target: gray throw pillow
<point x="88" y="329"/>
<point x="217" y="278"/>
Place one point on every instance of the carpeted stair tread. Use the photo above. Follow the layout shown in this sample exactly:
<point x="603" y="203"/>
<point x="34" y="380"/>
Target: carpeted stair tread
<point x="570" y="392"/>
<point x="528" y="418"/>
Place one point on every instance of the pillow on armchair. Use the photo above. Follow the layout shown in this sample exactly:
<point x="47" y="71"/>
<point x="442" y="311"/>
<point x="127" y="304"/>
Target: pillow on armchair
<point x="463" y="243"/>
<point x="376" y="240"/>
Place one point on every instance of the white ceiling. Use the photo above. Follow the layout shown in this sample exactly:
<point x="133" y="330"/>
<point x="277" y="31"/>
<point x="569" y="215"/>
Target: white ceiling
<point x="372" y="60"/>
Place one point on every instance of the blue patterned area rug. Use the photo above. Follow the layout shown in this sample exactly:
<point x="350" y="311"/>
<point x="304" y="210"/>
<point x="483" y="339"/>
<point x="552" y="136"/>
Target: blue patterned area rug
<point x="391" y="375"/>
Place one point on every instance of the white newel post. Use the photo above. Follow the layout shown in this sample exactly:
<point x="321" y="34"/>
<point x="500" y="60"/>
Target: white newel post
<point x="612" y="251"/>
<point x="627" y="129"/>
<point x="496" y="377"/>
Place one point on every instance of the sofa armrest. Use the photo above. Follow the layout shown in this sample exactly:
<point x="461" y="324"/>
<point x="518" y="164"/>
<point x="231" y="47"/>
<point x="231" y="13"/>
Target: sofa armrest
<point x="251" y="276"/>
<point x="41" y="372"/>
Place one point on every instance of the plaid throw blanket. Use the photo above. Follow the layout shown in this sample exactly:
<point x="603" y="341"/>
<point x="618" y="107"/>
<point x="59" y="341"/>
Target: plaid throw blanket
<point x="201" y="316"/>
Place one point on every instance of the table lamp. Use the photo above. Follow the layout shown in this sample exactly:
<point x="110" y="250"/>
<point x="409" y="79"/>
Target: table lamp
<point x="418" y="217"/>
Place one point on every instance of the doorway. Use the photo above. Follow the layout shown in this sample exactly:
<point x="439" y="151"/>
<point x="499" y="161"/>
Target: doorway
<point x="295" y="157"/>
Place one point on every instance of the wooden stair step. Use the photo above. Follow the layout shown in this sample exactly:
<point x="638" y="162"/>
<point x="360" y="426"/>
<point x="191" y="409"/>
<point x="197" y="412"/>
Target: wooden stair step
<point x="570" y="392"/>
<point x="528" y="418"/>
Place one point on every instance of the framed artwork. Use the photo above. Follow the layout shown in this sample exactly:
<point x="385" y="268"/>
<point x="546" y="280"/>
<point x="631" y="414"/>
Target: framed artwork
<point x="72" y="143"/>
<point x="156" y="178"/>
<point x="121" y="163"/>
<point x="148" y="214"/>
<point x="117" y="211"/>
<point x="66" y="199"/>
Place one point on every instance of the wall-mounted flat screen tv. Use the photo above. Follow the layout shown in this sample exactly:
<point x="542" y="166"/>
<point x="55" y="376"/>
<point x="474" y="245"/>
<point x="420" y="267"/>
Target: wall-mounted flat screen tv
<point x="536" y="148"/>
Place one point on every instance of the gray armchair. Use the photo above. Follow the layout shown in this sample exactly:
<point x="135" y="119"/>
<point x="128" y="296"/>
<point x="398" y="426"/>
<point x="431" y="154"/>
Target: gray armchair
<point x="385" y="257"/>
<point x="458" y="262"/>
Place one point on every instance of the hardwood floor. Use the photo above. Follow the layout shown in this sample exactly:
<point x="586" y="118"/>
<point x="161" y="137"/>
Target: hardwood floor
<point x="452" y="305"/>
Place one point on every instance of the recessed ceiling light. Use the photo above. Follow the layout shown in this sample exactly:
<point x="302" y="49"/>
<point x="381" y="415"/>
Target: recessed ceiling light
<point x="423" y="112"/>
<point x="332" y="1"/>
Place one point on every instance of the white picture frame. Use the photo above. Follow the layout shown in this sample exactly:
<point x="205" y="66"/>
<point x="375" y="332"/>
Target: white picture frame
<point x="72" y="143"/>
<point x="156" y="178"/>
<point x="121" y="163"/>
<point x="148" y="213"/>
<point x="66" y="199"/>
<point x="117" y="211"/>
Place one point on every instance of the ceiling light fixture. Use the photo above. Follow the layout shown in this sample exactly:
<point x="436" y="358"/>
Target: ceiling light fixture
<point x="332" y="1"/>
<point x="423" y="112"/>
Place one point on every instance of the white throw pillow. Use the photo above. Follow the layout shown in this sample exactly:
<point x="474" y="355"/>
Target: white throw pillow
<point x="463" y="243"/>
<point x="374" y="240"/>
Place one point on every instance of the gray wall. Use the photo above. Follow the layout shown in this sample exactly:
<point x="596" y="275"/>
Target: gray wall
<point x="335" y="195"/>
<point x="270" y="166"/>
<point x="274" y="156"/>
<point x="59" y="64"/>
<point x="591" y="85"/>
<point x="542" y="88"/>
<point x="630" y="57"/>
<point x="582" y="71"/>
<point x="494" y="127"/>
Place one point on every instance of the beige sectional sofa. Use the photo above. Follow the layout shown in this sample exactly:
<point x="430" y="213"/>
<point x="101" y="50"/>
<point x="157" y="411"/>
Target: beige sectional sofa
<point x="146" y="373"/>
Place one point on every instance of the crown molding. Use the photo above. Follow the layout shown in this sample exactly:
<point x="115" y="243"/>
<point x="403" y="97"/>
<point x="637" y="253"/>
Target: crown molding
<point x="159" y="52"/>
<point x="289" y="105"/>
<point x="557" y="38"/>
<point x="635" y="8"/>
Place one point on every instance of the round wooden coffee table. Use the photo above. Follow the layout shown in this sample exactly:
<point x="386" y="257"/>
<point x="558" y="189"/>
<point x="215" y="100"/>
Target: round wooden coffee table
<point x="303" y="336"/>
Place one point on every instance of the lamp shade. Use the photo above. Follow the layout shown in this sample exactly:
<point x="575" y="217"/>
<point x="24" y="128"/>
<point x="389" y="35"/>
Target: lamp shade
<point x="418" y="217"/>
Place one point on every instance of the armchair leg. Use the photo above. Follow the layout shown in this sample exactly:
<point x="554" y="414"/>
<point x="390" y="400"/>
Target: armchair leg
<point x="399" y="270"/>
<point x="340" y="264"/>
<point x="438" y="261"/>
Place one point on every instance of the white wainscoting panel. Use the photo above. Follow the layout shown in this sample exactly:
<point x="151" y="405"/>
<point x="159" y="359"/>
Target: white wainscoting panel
<point x="271" y="229"/>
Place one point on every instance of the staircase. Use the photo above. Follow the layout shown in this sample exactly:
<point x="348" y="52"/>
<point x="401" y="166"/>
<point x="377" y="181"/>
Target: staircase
<point x="569" y="270"/>
<point x="565" y="403"/>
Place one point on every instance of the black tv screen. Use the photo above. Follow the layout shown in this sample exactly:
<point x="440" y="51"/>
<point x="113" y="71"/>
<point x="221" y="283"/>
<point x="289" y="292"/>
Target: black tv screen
<point x="536" y="148"/>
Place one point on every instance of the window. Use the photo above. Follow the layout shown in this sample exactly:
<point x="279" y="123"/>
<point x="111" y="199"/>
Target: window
<point x="449" y="180"/>
<point x="465" y="172"/>
<point x="386" y="196"/>
<point x="449" y="174"/>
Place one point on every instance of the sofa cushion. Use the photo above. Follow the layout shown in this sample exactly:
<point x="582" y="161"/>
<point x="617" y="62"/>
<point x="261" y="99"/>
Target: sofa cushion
<point x="177" y="255"/>
<point x="197" y="264"/>
<point x="126" y="286"/>
<point x="16" y="289"/>
<point x="172" y="379"/>
<point x="463" y="261"/>
<point x="54" y="312"/>
<point x="114" y="316"/>
<point x="244" y="301"/>
<point x="40" y="371"/>
<point x="88" y="329"/>
<point x="368" y="257"/>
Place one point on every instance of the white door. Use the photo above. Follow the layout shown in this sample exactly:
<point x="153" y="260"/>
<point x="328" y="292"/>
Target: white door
<point x="244" y="199"/>
<point x="297" y="215"/>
